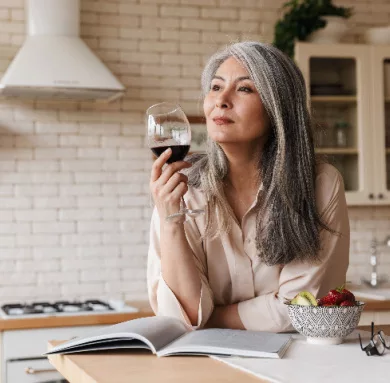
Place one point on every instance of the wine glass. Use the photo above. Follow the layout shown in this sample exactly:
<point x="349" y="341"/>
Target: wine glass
<point x="168" y="127"/>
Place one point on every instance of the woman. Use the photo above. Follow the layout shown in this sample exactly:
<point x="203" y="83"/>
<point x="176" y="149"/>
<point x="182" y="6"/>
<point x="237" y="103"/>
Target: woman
<point x="276" y="221"/>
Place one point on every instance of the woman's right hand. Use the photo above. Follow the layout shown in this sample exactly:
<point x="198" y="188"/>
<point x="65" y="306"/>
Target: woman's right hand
<point x="168" y="186"/>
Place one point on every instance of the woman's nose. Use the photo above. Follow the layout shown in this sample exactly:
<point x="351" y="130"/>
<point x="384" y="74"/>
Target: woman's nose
<point x="223" y="100"/>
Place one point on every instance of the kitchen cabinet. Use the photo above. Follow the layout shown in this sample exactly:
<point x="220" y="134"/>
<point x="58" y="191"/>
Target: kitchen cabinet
<point x="32" y="371"/>
<point x="21" y="357"/>
<point x="377" y="311"/>
<point x="349" y="95"/>
<point x="378" y="317"/>
<point x="380" y="64"/>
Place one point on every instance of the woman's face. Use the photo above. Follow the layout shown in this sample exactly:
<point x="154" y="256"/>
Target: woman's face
<point x="233" y="108"/>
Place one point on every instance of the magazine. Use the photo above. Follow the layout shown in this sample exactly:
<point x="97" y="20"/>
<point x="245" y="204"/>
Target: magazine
<point x="166" y="336"/>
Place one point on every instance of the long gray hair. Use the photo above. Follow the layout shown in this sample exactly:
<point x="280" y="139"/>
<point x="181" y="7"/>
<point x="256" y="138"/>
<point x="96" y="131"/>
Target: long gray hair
<point x="288" y="223"/>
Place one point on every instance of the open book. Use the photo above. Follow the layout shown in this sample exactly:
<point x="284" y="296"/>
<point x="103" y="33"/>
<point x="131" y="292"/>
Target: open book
<point x="166" y="336"/>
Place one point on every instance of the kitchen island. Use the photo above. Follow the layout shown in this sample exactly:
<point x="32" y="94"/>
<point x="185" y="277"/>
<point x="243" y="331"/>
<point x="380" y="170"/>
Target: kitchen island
<point x="123" y="367"/>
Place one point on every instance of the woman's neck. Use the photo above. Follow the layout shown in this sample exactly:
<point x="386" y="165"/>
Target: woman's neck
<point x="243" y="171"/>
<point x="242" y="182"/>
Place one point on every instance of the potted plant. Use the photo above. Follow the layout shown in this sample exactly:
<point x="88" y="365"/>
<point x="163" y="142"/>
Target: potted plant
<point x="304" y="18"/>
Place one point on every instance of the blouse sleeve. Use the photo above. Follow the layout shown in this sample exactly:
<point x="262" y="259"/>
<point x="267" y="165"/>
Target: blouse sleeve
<point x="161" y="297"/>
<point x="268" y="312"/>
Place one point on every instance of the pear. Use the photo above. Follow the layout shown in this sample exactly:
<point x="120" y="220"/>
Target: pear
<point x="304" y="298"/>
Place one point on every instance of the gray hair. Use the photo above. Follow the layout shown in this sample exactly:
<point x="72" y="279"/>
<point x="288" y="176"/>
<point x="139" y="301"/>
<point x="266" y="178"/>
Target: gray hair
<point x="287" y="223"/>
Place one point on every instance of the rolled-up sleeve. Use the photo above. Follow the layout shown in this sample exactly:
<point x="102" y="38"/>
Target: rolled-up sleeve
<point x="268" y="312"/>
<point x="161" y="297"/>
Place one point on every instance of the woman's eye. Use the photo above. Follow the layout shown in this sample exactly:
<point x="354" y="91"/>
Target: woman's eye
<point x="215" y="87"/>
<point x="245" y="89"/>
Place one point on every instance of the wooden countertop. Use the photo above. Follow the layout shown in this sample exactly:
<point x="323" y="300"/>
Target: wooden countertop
<point x="99" y="319"/>
<point x="122" y="367"/>
<point x="76" y="320"/>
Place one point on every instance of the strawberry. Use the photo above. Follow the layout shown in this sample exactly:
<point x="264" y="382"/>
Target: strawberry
<point x="333" y="298"/>
<point x="348" y="296"/>
<point x="347" y="303"/>
<point x="326" y="301"/>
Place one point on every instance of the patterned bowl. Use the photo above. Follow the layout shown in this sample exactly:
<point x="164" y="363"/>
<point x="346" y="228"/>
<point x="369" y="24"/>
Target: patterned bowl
<point x="325" y="325"/>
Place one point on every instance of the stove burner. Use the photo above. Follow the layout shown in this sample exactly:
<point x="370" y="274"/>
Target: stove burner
<point x="15" y="311"/>
<point x="57" y="308"/>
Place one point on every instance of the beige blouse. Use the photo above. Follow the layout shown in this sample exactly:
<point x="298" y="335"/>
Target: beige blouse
<point x="231" y="272"/>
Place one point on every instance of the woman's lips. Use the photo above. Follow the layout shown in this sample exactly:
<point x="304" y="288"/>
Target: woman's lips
<point x="222" y="121"/>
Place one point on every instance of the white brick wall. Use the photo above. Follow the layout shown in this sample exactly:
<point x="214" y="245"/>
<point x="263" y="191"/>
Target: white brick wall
<point x="74" y="203"/>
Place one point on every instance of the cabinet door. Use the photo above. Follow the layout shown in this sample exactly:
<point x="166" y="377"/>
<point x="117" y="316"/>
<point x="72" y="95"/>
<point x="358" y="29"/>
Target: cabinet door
<point x="380" y="107"/>
<point x="32" y="371"/>
<point x="337" y="79"/>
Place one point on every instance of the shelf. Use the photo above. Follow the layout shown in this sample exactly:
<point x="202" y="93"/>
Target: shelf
<point x="196" y="119"/>
<point x="334" y="99"/>
<point x="339" y="151"/>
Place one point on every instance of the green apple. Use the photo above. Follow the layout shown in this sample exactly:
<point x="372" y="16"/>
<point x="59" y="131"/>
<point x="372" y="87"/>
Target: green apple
<point x="304" y="298"/>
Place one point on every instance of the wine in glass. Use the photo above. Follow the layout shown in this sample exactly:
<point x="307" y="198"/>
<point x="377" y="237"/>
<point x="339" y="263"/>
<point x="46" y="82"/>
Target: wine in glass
<point x="168" y="127"/>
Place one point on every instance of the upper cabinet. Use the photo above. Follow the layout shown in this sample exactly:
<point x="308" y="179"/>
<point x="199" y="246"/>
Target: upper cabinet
<point x="350" y="103"/>
<point x="380" y="117"/>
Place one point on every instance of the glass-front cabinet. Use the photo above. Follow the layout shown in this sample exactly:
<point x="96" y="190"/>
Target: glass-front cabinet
<point x="380" y="87"/>
<point x="351" y="110"/>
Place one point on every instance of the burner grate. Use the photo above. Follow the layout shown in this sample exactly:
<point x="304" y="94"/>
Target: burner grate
<point x="57" y="308"/>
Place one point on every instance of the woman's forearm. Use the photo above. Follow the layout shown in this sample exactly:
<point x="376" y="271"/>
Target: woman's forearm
<point x="225" y="317"/>
<point x="178" y="268"/>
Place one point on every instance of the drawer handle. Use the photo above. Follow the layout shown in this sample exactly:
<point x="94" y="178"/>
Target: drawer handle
<point x="33" y="371"/>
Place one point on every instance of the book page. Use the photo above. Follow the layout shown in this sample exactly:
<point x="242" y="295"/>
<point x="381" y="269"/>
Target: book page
<point x="229" y="342"/>
<point x="156" y="332"/>
<point x="111" y="344"/>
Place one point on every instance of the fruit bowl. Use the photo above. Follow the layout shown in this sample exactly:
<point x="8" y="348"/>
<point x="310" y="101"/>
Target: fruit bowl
<point x="325" y="324"/>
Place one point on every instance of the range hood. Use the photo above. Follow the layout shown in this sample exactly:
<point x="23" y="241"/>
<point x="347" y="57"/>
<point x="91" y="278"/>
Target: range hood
<point x="54" y="63"/>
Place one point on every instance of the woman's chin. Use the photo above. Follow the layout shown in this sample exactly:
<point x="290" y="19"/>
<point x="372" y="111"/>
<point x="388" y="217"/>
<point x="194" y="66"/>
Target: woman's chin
<point x="222" y="138"/>
<point x="225" y="141"/>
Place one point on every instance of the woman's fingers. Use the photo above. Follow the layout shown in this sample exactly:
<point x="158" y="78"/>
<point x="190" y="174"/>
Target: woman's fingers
<point x="168" y="186"/>
<point x="171" y="202"/>
<point x="163" y="176"/>
<point x="175" y="195"/>
<point x="171" y="169"/>
<point x="174" y="181"/>
<point x="162" y="191"/>
<point x="180" y="190"/>
<point x="158" y="165"/>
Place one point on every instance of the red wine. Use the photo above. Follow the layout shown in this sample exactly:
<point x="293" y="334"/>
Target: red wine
<point x="178" y="152"/>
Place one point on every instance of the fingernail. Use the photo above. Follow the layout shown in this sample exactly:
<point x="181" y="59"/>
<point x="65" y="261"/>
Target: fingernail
<point x="168" y="150"/>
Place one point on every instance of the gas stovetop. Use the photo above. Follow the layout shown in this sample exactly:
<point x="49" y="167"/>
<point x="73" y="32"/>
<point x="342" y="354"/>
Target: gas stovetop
<point x="43" y="309"/>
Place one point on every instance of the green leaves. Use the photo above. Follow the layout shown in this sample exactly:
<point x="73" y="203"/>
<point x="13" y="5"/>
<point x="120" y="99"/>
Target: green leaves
<point x="301" y="19"/>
